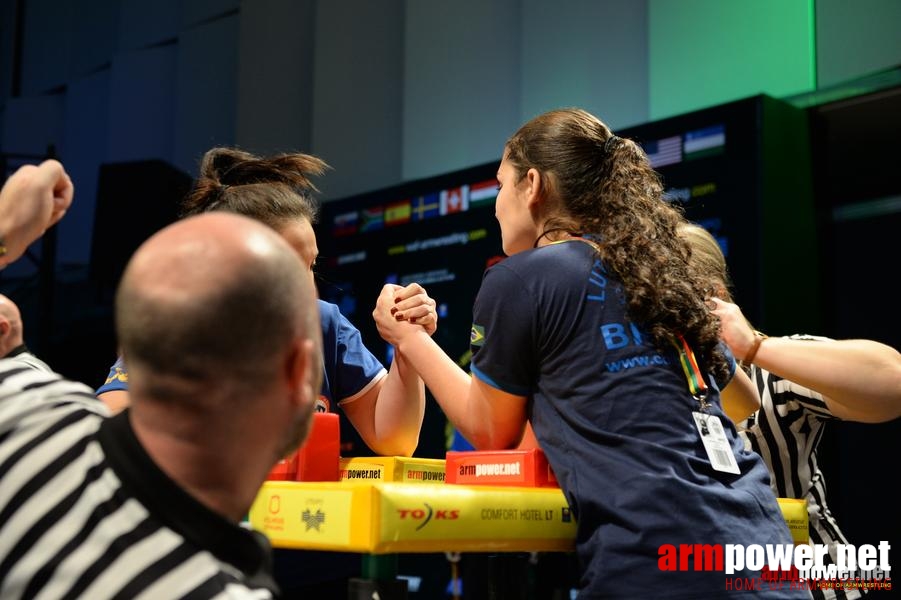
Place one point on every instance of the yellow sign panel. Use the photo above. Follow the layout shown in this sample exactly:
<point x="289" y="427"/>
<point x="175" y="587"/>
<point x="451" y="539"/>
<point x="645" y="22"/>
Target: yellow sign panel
<point x="395" y="517"/>
<point x="293" y="517"/>
<point x="391" y="468"/>
<point x="795" y="513"/>
<point x="392" y="517"/>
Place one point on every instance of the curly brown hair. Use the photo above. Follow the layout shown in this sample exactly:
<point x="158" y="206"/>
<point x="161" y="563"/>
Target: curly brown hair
<point x="269" y="189"/>
<point x="601" y="185"/>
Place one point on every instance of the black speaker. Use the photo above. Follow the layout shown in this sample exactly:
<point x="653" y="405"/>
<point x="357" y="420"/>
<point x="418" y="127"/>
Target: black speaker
<point x="134" y="201"/>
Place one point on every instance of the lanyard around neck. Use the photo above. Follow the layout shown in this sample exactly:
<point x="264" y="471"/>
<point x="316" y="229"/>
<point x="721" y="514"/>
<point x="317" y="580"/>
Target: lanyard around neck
<point x="693" y="375"/>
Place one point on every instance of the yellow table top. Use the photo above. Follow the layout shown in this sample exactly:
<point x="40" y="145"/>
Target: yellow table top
<point x="389" y="517"/>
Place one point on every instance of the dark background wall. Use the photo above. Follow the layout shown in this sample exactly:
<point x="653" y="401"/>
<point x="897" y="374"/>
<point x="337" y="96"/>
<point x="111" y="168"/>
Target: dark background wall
<point x="130" y="93"/>
<point x="391" y="90"/>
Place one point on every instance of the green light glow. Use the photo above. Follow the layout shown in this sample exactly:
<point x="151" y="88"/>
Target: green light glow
<point x="708" y="52"/>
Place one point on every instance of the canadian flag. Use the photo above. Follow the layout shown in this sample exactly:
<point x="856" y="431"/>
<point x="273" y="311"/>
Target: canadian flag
<point x="455" y="200"/>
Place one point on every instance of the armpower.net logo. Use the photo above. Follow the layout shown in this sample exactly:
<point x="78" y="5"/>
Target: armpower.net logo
<point x="801" y="566"/>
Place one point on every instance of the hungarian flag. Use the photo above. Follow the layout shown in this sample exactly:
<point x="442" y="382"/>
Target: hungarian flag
<point x="483" y="193"/>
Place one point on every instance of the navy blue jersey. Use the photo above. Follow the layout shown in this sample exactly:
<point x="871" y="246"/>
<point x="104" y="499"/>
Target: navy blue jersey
<point x="613" y="413"/>
<point x="349" y="369"/>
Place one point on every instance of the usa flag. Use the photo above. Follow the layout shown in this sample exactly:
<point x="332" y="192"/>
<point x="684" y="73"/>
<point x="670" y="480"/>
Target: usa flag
<point x="667" y="151"/>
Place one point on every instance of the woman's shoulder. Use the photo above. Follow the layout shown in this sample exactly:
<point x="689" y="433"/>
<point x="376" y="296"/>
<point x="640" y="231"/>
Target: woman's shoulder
<point x="332" y="319"/>
<point x="571" y="254"/>
<point x="327" y="309"/>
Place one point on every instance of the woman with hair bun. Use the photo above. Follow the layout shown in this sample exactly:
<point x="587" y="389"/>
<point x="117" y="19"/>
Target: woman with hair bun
<point x="385" y="406"/>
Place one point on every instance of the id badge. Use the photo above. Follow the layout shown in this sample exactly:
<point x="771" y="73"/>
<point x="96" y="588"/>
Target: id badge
<point x="715" y="443"/>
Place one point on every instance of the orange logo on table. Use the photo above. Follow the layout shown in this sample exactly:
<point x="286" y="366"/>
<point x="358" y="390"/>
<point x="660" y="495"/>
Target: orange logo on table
<point x="426" y="515"/>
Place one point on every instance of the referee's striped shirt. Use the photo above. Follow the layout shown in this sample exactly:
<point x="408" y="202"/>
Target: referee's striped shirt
<point x="85" y="513"/>
<point x="785" y="431"/>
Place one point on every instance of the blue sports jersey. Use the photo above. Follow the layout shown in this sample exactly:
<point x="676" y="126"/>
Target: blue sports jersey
<point x="613" y="413"/>
<point x="349" y="369"/>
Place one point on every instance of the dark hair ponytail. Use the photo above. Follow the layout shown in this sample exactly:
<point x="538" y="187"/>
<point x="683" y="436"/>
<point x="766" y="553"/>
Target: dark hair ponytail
<point x="269" y="189"/>
<point x="599" y="184"/>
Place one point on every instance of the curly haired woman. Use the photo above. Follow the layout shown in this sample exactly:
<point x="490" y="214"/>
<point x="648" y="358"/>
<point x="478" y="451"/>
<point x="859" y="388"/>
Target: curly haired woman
<point x="595" y="330"/>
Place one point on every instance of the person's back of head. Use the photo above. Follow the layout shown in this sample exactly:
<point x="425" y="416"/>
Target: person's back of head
<point x="208" y="311"/>
<point x="707" y="256"/>
<point x="599" y="184"/>
<point x="268" y="189"/>
<point x="11" y="328"/>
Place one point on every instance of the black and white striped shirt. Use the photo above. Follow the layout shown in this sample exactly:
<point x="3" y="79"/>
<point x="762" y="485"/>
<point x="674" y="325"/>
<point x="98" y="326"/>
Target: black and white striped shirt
<point x="85" y="513"/>
<point x="786" y="431"/>
<point x="24" y="356"/>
